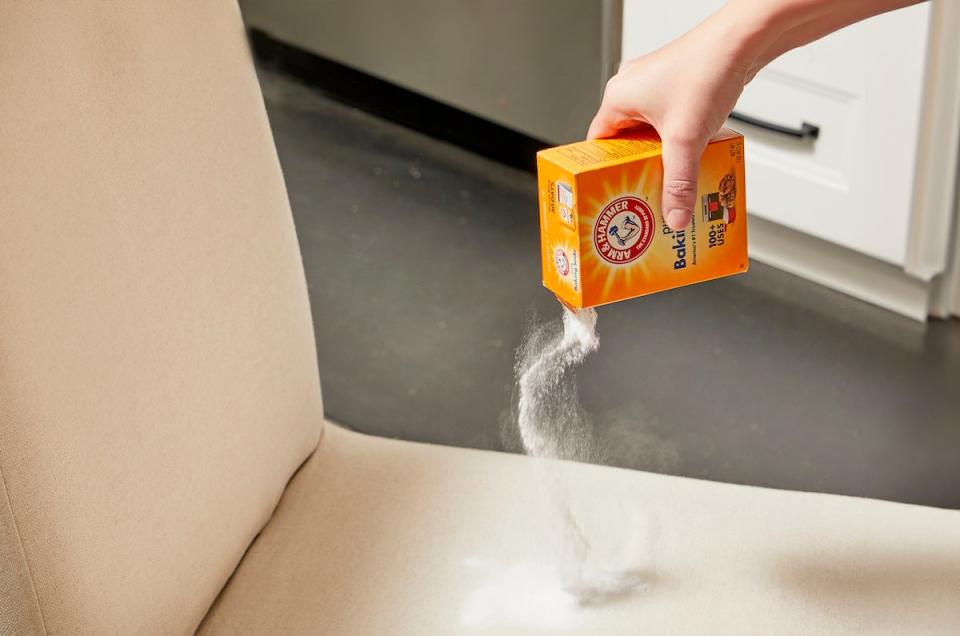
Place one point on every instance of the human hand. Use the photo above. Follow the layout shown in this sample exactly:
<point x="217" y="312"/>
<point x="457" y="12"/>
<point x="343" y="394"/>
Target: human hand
<point x="685" y="90"/>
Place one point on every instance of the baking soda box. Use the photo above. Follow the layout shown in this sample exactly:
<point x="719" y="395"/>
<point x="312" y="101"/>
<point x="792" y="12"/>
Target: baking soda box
<point x="602" y="232"/>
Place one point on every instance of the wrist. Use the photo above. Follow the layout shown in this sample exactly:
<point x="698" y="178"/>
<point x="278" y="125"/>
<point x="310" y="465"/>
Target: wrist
<point x="741" y="33"/>
<point x="749" y="32"/>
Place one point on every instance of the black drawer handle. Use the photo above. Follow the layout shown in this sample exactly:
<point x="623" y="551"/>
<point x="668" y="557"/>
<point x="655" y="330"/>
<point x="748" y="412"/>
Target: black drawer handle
<point x="806" y="131"/>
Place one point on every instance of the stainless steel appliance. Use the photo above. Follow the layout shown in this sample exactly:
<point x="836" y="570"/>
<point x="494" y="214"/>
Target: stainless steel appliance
<point x="535" y="66"/>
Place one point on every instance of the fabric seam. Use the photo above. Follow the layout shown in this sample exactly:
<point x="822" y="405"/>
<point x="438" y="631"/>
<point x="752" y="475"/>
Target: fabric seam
<point x="226" y="584"/>
<point x="23" y="551"/>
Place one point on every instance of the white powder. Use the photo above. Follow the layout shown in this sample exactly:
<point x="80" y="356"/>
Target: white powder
<point x="595" y="546"/>
<point x="525" y="595"/>
<point x="549" y="418"/>
<point x="552" y="424"/>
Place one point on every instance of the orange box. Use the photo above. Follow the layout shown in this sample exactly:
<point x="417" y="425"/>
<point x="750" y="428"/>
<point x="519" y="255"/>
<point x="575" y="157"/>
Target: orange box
<point x="601" y="227"/>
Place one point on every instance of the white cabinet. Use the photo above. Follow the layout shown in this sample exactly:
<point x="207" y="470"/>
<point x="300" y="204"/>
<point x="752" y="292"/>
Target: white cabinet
<point x="869" y="206"/>
<point x="862" y="87"/>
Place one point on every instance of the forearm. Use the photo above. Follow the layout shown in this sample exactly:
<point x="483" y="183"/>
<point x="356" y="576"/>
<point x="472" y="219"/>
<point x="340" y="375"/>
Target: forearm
<point x="687" y="88"/>
<point x="763" y="30"/>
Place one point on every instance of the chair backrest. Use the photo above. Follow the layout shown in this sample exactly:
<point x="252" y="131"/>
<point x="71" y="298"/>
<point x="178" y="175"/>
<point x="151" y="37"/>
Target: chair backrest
<point x="158" y="380"/>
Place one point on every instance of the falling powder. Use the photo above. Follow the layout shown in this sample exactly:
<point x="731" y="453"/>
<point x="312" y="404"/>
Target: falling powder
<point x="549" y="417"/>
<point x="553" y="425"/>
<point x="600" y="542"/>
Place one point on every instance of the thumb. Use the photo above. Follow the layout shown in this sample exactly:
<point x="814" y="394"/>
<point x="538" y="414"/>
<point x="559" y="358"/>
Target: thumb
<point x="681" y="165"/>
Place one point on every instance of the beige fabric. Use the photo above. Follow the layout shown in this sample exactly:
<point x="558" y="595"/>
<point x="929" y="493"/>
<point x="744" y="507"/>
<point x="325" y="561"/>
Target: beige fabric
<point x="19" y="612"/>
<point x="158" y="387"/>
<point x="376" y="536"/>
<point x="158" y="382"/>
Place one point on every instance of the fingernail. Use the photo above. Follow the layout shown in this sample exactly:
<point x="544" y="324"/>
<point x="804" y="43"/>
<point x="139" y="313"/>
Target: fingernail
<point x="678" y="218"/>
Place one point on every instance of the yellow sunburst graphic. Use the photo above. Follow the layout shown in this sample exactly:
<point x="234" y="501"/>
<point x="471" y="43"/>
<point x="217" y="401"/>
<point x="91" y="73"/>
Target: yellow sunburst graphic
<point x="606" y="280"/>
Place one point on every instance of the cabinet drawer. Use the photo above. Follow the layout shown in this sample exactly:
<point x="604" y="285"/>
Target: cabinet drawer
<point x="811" y="185"/>
<point x="862" y="86"/>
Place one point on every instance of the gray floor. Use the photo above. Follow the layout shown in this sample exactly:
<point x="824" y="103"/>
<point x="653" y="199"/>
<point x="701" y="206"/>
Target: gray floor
<point x="422" y="261"/>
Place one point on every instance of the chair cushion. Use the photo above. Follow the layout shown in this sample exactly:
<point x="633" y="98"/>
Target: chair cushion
<point x="158" y="378"/>
<point x="376" y="536"/>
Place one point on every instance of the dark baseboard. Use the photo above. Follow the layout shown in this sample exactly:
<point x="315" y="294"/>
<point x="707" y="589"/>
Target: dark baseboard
<point x="400" y="105"/>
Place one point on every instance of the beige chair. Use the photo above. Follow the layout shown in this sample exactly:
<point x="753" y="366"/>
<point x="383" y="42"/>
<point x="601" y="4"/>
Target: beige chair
<point x="165" y="466"/>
